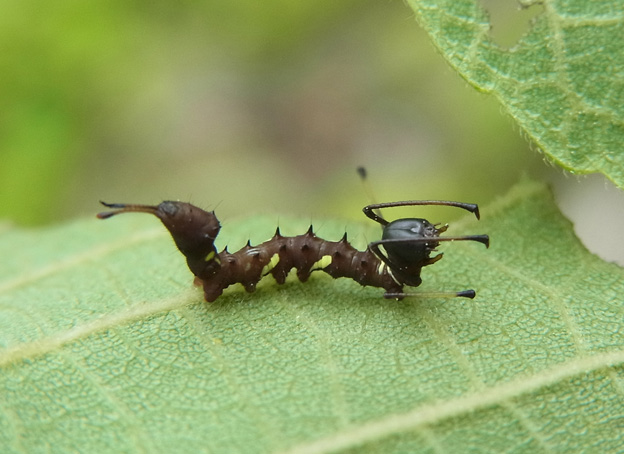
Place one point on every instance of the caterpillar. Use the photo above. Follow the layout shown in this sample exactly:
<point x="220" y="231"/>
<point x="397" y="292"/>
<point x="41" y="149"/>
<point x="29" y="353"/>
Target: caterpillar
<point x="407" y="246"/>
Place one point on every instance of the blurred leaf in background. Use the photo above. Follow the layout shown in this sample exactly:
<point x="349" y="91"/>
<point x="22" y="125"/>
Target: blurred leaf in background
<point x="246" y="106"/>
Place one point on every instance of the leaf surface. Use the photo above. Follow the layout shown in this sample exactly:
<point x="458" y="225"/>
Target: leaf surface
<point x="563" y="82"/>
<point x="107" y="347"/>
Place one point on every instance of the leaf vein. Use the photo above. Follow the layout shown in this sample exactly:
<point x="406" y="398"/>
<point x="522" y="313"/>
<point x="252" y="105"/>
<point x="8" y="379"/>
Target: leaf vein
<point x="78" y="259"/>
<point x="47" y="344"/>
<point x="430" y="414"/>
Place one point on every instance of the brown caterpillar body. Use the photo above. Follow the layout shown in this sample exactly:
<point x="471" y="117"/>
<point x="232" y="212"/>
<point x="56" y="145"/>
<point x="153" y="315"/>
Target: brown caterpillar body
<point x="305" y="253"/>
<point x="407" y="243"/>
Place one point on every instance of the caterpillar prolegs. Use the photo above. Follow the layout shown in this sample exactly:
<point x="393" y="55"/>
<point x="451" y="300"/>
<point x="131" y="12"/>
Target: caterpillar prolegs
<point x="407" y="246"/>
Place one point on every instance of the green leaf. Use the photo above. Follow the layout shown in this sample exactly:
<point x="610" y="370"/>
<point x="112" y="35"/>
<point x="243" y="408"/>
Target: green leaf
<point x="107" y="347"/>
<point x="563" y="82"/>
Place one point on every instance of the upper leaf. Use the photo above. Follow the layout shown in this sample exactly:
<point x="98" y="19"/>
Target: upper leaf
<point x="107" y="347"/>
<point x="563" y="82"/>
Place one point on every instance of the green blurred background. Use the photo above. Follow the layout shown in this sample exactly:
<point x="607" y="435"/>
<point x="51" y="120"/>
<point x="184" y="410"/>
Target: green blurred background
<point x="244" y="106"/>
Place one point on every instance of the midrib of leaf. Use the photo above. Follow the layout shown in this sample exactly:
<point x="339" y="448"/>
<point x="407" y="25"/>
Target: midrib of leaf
<point x="19" y="352"/>
<point x="430" y="414"/>
<point x="80" y="259"/>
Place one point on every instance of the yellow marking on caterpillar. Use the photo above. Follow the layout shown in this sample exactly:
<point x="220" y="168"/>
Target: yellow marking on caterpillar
<point x="272" y="264"/>
<point x="382" y="267"/>
<point x="212" y="256"/>
<point x="324" y="262"/>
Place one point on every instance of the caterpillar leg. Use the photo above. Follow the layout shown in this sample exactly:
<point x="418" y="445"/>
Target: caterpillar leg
<point x="400" y="295"/>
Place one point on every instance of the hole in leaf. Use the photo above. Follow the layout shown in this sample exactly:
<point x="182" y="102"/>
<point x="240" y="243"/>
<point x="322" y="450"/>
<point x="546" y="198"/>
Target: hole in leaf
<point x="510" y="19"/>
